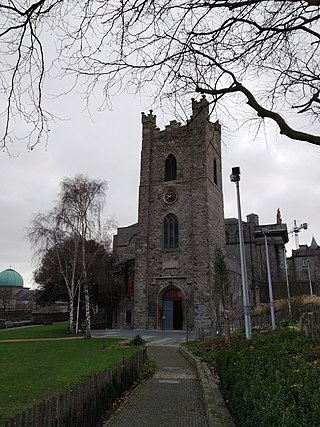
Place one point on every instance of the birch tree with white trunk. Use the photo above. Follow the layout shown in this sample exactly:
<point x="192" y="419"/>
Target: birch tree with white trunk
<point x="72" y="223"/>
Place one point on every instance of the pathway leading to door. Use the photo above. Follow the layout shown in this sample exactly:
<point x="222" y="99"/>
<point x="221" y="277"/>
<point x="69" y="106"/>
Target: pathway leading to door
<point x="152" y="337"/>
<point x="172" y="398"/>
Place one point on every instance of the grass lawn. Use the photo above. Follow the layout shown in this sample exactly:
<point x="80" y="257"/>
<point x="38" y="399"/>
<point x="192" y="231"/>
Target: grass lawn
<point x="56" y="330"/>
<point x="31" y="371"/>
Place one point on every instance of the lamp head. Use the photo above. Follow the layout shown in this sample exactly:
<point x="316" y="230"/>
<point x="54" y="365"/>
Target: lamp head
<point x="235" y="175"/>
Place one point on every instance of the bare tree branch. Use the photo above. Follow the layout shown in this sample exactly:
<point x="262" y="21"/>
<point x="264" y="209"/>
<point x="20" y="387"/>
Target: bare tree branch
<point x="170" y="48"/>
<point x="262" y="112"/>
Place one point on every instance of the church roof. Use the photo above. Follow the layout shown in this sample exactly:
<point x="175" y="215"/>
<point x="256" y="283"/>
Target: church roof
<point x="10" y="277"/>
<point x="314" y="244"/>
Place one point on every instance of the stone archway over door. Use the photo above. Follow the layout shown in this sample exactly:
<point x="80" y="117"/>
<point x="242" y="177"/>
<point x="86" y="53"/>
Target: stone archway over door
<point x="172" y="309"/>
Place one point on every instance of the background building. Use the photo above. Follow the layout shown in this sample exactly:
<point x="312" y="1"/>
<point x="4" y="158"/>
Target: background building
<point x="254" y="242"/>
<point x="14" y="298"/>
<point x="304" y="269"/>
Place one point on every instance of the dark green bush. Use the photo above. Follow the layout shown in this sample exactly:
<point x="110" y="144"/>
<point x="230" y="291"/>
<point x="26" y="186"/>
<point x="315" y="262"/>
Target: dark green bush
<point x="137" y="340"/>
<point x="272" y="380"/>
<point x="148" y="370"/>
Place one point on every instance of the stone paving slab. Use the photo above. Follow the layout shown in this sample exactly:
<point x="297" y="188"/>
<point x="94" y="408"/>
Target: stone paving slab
<point x="172" y="398"/>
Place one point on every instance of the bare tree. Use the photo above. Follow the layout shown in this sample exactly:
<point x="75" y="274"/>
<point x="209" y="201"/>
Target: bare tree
<point x="5" y="297"/>
<point x="67" y="228"/>
<point x="82" y="202"/>
<point x="47" y="233"/>
<point x="264" y="53"/>
<point x="22" y="65"/>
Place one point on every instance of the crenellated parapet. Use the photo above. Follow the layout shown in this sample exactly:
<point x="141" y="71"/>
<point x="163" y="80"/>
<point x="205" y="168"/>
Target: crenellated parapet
<point x="200" y="109"/>
<point x="149" y="119"/>
<point x="173" y="125"/>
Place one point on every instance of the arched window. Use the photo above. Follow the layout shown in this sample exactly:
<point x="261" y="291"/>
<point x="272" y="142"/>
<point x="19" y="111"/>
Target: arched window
<point x="170" y="232"/>
<point x="170" y="168"/>
<point x="130" y="284"/>
<point x="133" y="239"/>
<point x="215" y="172"/>
<point x="129" y="277"/>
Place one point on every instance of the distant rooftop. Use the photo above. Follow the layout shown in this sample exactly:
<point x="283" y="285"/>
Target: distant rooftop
<point x="10" y="277"/>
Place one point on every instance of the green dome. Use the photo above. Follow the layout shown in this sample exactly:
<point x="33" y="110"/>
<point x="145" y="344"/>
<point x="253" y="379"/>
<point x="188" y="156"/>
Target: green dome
<point x="10" y="277"/>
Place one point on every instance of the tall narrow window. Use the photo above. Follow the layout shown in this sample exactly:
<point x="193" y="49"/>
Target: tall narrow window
<point x="170" y="168"/>
<point x="129" y="277"/>
<point x="130" y="284"/>
<point x="128" y="317"/>
<point x="170" y="232"/>
<point x="215" y="172"/>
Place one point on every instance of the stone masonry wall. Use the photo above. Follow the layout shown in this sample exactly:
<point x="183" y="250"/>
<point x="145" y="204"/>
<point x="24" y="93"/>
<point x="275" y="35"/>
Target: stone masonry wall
<point x="199" y="208"/>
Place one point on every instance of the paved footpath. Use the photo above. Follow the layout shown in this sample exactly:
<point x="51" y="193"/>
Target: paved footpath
<point x="172" y="398"/>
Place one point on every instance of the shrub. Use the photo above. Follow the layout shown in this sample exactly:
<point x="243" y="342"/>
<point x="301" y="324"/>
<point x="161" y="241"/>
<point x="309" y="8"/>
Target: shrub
<point x="149" y="369"/>
<point x="287" y="323"/>
<point x="298" y="304"/>
<point x="137" y="340"/>
<point x="272" y="380"/>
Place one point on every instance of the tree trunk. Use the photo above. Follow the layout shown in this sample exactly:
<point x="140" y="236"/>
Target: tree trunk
<point x="227" y="330"/>
<point x="87" y="308"/>
<point x="71" y="323"/>
<point x="86" y="290"/>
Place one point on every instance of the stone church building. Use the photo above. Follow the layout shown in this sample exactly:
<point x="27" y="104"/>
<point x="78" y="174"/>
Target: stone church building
<point x="166" y="259"/>
<point x="165" y="262"/>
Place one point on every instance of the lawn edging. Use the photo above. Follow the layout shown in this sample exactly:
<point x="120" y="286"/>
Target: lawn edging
<point x="216" y="411"/>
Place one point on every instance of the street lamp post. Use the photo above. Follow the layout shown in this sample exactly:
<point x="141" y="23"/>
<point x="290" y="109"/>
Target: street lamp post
<point x="287" y="280"/>
<point x="309" y="277"/>
<point x="273" y="319"/>
<point x="235" y="177"/>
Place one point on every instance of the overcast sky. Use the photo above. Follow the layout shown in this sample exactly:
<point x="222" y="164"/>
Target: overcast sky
<point x="276" y="173"/>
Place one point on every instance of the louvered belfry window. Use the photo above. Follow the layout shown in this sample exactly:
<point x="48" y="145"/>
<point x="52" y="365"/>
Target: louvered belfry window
<point x="170" y="173"/>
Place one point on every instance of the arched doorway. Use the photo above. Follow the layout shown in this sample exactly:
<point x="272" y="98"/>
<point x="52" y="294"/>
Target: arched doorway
<point x="172" y="311"/>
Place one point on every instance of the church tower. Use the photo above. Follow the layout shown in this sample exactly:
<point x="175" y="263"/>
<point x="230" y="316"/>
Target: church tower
<point x="180" y="221"/>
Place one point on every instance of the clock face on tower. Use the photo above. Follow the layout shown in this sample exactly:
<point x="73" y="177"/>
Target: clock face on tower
<point x="170" y="196"/>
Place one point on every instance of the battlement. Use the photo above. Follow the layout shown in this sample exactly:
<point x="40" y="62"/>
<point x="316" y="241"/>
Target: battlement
<point x="200" y="111"/>
<point x="200" y="108"/>
<point x="173" y="125"/>
<point x="150" y="119"/>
